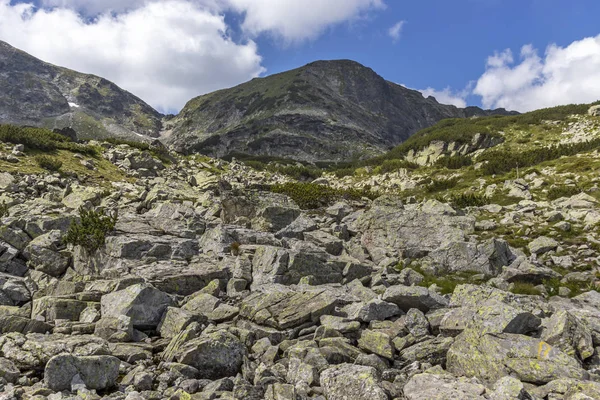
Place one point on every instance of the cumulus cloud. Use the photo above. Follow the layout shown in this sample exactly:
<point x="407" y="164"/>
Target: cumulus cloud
<point x="448" y="96"/>
<point x="295" y="20"/>
<point x="395" y="31"/>
<point x="165" y="52"/>
<point x="563" y="75"/>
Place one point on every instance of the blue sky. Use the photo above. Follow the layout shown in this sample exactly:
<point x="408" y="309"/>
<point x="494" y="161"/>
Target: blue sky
<point x="167" y="51"/>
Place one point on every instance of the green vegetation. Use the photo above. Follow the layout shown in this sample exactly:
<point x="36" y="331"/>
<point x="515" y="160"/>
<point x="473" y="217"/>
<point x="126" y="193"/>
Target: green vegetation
<point x="41" y="139"/>
<point x="49" y="163"/>
<point x="525" y="288"/>
<point x="313" y="196"/>
<point x="454" y="162"/>
<point x="463" y="200"/>
<point x="446" y="283"/>
<point x="91" y="231"/>
<point x="556" y="192"/>
<point x="442" y="184"/>
<point x="395" y="165"/>
<point x="502" y="161"/>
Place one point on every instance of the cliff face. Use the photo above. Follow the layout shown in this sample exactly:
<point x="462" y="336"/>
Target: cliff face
<point x="40" y="94"/>
<point x="326" y="110"/>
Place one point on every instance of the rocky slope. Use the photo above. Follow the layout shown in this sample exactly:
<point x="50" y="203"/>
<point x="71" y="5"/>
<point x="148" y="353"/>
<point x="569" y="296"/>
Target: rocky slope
<point x="324" y="111"/>
<point x="40" y="94"/>
<point x="216" y="284"/>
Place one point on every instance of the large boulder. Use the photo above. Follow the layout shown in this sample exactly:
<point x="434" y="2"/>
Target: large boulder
<point x="356" y="382"/>
<point x="430" y="386"/>
<point x="46" y="254"/>
<point x="492" y="356"/>
<point x="143" y="303"/>
<point x="287" y="308"/>
<point x="96" y="372"/>
<point x="265" y="211"/>
<point x="215" y="355"/>
<point x="407" y="297"/>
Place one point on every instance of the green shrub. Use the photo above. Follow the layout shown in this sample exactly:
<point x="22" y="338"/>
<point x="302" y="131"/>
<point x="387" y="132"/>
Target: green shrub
<point x="525" y="288"/>
<point x="298" y="172"/>
<point x="312" y="196"/>
<point x="442" y="184"/>
<point x="395" y="165"/>
<point x="502" y="161"/>
<point x="454" y="162"/>
<point x="41" y="139"/>
<point x="342" y="173"/>
<point x="91" y="231"/>
<point x="49" y="163"/>
<point x="556" y="192"/>
<point x="464" y="200"/>
<point x="158" y="152"/>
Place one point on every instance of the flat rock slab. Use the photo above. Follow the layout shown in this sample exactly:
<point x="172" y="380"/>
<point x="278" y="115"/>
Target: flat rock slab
<point x="287" y="309"/>
<point x="96" y="372"/>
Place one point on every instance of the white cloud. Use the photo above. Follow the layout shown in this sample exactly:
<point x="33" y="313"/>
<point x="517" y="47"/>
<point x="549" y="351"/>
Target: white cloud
<point x="295" y="20"/>
<point x="165" y="52"/>
<point x="395" y="31"/>
<point x="563" y="75"/>
<point x="447" y="96"/>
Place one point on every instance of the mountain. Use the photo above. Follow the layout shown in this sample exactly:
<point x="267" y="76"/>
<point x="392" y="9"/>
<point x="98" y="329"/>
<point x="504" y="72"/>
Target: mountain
<point x="41" y="94"/>
<point x="326" y="110"/>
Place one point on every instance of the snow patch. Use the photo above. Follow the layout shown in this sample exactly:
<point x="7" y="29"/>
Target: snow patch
<point x="73" y="105"/>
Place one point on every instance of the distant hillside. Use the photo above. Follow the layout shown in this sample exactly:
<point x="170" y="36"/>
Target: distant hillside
<point x="40" y="94"/>
<point x="326" y="110"/>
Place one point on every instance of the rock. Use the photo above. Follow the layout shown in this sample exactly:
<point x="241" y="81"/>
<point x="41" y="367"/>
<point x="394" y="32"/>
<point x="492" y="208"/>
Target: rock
<point x="287" y="309"/>
<point x="9" y="371"/>
<point x="565" y="331"/>
<point x="377" y="343"/>
<point x="416" y="323"/>
<point x="594" y="111"/>
<point x="430" y="386"/>
<point x="115" y="329"/>
<point x="141" y="302"/>
<point x="508" y="388"/>
<point x="407" y="297"/>
<point x="175" y="320"/>
<point x="431" y="351"/>
<point x="216" y="355"/>
<point x="494" y="355"/>
<point x="346" y="381"/>
<point x="45" y="254"/>
<point x="542" y="245"/>
<point x="372" y="310"/>
<point x="96" y="372"/>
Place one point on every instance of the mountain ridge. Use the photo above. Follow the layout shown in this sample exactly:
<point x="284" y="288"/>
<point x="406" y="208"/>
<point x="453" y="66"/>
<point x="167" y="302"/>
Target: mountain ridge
<point x="326" y="110"/>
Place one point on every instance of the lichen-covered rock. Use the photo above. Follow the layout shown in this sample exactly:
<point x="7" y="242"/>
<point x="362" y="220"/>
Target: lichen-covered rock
<point x="8" y="370"/>
<point x="356" y="382"/>
<point x="143" y="303"/>
<point x="216" y="355"/>
<point x="377" y="343"/>
<point x="96" y="372"/>
<point x="542" y="245"/>
<point x="430" y="386"/>
<point x="565" y="331"/>
<point x="492" y="356"/>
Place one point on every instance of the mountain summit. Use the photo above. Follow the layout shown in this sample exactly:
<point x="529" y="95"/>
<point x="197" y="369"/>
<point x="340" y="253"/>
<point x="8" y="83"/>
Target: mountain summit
<point x="326" y="110"/>
<point x="41" y="94"/>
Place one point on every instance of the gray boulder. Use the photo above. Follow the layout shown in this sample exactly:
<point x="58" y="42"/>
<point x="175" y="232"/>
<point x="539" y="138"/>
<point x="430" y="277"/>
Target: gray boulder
<point x="216" y="355"/>
<point x="407" y="297"/>
<point x="143" y="303"/>
<point x="356" y="382"/>
<point x="96" y="372"/>
<point x="431" y="386"/>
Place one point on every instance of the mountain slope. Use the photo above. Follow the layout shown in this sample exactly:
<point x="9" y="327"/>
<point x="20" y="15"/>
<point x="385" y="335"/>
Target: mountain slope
<point x="326" y="110"/>
<point x="41" y="94"/>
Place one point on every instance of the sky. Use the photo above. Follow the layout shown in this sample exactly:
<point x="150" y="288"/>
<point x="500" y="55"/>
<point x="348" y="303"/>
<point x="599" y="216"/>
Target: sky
<point x="517" y="54"/>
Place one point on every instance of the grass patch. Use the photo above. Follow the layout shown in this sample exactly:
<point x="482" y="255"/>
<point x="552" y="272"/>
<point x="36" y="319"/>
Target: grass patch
<point x="442" y="184"/>
<point x="48" y="163"/>
<point x="525" y="288"/>
<point x="556" y="192"/>
<point x="454" y="162"/>
<point x="464" y="200"/>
